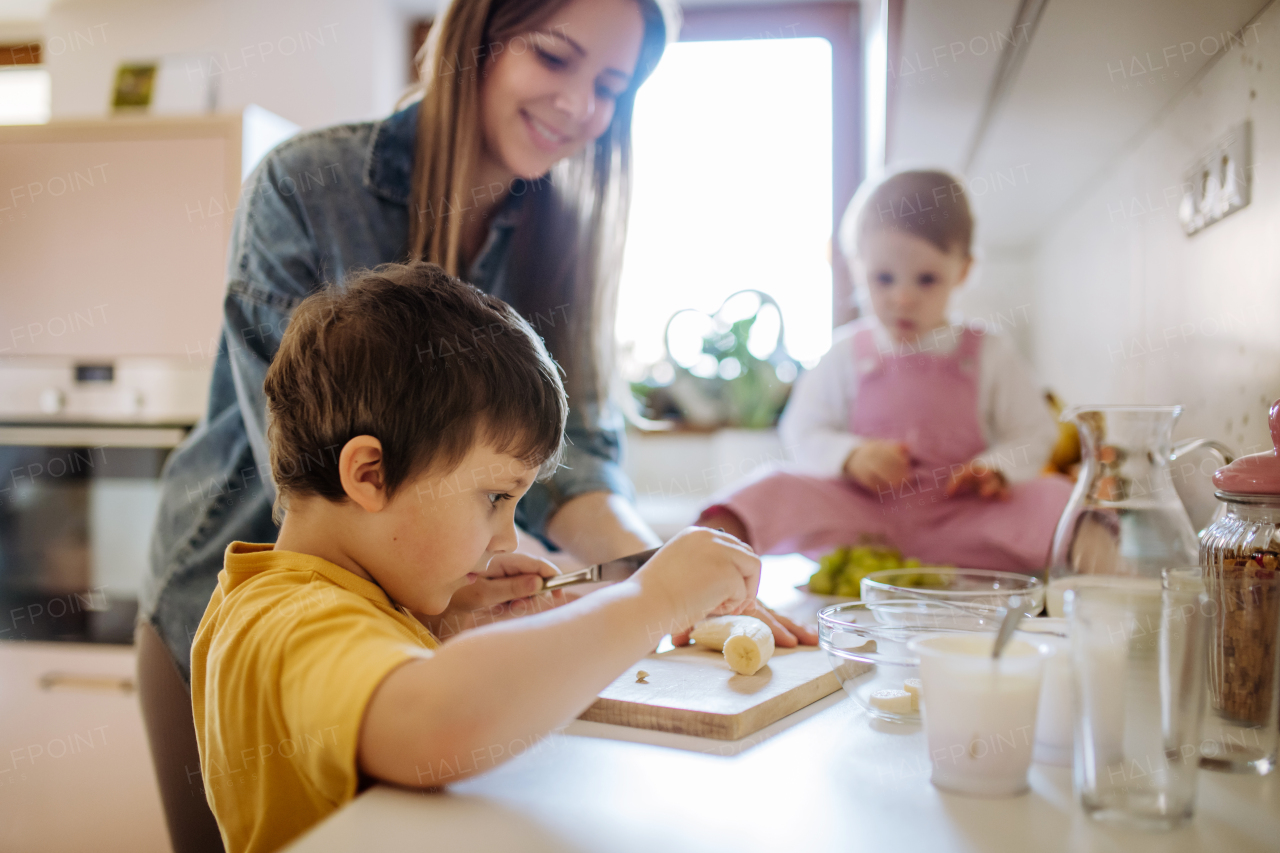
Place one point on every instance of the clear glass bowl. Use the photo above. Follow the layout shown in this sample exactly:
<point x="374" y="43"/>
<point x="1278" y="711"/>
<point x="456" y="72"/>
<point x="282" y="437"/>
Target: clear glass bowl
<point x="968" y="587"/>
<point x="866" y="643"/>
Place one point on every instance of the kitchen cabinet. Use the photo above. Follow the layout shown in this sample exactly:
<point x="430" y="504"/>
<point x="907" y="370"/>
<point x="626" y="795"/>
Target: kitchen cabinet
<point x="75" y="768"/>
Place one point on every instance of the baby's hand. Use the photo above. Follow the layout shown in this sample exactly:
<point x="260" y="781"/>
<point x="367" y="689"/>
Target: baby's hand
<point x="985" y="483"/>
<point x="878" y="464"/>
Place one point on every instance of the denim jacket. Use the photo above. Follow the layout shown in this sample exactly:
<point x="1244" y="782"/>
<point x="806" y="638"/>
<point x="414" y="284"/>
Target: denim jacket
<point x="317" y="207"/>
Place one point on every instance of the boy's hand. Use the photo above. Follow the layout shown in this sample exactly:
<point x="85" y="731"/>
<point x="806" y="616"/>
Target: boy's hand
<point x="878" y="464"/>
<point x="987" y="483"/>
<point x="700" y="573"/>
<point x="507" y="588"/>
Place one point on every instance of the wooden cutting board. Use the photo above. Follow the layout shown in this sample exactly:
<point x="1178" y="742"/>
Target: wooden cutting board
<point x="692" y="691"/>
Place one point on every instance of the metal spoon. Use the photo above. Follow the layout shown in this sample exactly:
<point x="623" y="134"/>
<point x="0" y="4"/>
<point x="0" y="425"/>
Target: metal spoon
<point x="1008" y="624"/>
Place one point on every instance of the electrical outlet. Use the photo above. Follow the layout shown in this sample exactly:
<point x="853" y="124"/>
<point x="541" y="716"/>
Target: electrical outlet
<point x="1218" y="183"/>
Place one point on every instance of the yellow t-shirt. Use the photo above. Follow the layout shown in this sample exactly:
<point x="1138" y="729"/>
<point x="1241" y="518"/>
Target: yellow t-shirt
<point x="286" y="658"/>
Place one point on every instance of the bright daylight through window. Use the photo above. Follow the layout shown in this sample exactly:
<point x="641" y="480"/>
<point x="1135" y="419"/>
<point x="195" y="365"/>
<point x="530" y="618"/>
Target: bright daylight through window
<point x="24" y="96"/>
<point x="732" y="192"/>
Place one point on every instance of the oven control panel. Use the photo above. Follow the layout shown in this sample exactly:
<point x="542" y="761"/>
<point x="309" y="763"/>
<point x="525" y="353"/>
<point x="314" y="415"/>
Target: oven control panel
<point x="123" y="390"/>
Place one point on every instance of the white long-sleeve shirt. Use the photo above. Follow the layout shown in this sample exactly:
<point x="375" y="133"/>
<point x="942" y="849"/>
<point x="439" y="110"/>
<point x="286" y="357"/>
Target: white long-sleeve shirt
<point x="1016" y="422"/>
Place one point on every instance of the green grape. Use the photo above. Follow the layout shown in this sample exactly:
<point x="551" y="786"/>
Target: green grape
<point x="847" y="589"/>
<point x="822" y="584"/>
<point x="841" y="571"/>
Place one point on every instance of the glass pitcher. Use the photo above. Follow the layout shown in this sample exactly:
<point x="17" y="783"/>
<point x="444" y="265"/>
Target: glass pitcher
<point x="1124" y="520"/>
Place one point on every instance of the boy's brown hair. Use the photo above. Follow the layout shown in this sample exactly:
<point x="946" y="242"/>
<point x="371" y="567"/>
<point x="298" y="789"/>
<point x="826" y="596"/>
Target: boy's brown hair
<point x="417" y="359"/>
<point x="929" y="204"/>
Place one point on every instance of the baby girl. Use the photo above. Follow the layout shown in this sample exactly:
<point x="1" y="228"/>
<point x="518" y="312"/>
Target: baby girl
<point x="911" y="430"/>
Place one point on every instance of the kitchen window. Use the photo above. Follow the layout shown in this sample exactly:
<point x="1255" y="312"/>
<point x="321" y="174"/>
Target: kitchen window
<point x="745" y="148"/>
<point x="25" y="92"/>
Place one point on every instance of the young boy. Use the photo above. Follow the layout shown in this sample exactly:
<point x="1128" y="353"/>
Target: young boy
<point x="408" y="413"/>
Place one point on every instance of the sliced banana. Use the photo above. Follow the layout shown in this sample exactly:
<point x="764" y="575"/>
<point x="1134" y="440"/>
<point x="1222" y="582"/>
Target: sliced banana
<point x="714" y="631"/>
<point x="891" y="701"/>
<point x="912" y="686"/>
<point x="747" y="642"/>
<point x="749" y="647"/>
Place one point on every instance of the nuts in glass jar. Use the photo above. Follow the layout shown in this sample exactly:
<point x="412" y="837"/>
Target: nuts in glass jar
<point x="1243" y="658"/>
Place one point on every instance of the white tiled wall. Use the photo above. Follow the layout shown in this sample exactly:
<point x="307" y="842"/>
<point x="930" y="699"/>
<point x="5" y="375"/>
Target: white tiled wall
<point x="1129" y="309"/>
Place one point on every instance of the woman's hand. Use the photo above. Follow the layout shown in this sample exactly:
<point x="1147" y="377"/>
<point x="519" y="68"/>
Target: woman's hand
<point x="786" y="634"/>
<point x="508" y="588"/>
<point x="987" y="483"/>
<point x="878" y="464"/>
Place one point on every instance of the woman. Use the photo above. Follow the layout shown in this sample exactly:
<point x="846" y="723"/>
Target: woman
<point x="512" y="172"/>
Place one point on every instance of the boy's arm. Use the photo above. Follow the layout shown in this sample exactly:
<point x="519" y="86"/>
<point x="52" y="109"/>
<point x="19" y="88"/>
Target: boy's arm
<point x="517" y="680"/>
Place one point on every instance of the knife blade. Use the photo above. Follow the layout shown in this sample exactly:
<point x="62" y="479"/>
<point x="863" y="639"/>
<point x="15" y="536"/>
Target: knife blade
<point x="609" y="572"/>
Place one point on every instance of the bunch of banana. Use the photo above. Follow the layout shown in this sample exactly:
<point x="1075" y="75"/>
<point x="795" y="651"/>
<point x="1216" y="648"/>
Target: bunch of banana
<point x="1065" y="456"/>
<point x="841" y="572"/>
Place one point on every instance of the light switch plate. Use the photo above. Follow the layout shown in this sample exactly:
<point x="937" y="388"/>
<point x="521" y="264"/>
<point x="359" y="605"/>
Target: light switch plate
<point x="1218" y="183"/>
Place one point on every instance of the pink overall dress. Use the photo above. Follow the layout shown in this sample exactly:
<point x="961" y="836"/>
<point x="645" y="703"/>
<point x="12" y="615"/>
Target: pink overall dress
<point x="930" y="402"/>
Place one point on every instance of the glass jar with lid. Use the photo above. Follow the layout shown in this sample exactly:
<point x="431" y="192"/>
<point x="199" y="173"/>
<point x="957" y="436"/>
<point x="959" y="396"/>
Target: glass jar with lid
<point x="1240" y="556"/>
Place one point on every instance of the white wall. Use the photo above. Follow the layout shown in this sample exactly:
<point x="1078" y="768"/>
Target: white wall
<point x="1127" y="309"/>
<point x="999" y="294"/>
<point x="315" y="62"/>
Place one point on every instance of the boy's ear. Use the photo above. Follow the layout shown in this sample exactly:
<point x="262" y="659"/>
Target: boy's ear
<point x="965" y="270"/>
<point x="360" y="467"/>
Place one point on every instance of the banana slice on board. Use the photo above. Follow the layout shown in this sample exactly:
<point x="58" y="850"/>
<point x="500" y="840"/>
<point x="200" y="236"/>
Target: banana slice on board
<point x="747" y="642"/>
<point x="749" y="647"/>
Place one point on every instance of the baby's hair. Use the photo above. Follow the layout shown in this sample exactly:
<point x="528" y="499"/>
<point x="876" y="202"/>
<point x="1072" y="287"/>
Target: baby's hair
<point x="930" y="204"/>
<point x="421" y="361"/>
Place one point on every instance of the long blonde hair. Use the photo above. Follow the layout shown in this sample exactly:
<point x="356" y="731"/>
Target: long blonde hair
<point x="567" y="246"/>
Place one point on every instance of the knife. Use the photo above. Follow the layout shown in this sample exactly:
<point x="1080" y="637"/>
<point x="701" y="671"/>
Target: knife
<point x="610" y="572"/>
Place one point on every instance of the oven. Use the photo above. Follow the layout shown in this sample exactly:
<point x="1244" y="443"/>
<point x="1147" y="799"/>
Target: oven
<point x="111" y="292"/>
<point x="82" y="445"/>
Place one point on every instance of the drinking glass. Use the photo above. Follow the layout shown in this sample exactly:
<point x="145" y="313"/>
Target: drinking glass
<point x="1138" y="655"/>
<point x="979" y="712"/>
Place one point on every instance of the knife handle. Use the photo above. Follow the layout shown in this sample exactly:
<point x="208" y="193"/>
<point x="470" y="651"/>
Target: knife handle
<point x="587" y="575"/>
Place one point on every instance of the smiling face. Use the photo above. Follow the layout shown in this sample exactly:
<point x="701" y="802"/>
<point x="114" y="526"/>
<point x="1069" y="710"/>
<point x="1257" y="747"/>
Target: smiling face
<point x="909" y="280"/>
<point x="549" y="93"/>
<point x="440" y="529"/>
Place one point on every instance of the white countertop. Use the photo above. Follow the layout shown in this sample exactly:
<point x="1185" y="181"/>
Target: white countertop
<point x="827" y="777"/>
